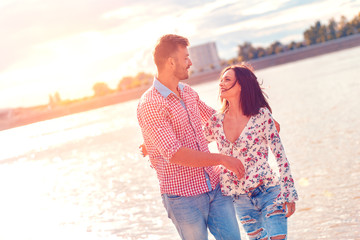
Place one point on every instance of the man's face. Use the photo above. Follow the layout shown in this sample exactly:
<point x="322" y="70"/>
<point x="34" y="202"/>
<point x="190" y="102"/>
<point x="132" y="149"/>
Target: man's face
<point x="182" y="63"/>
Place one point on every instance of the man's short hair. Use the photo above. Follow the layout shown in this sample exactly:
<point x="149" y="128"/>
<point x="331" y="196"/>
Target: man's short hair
<point x="166" y="46"/>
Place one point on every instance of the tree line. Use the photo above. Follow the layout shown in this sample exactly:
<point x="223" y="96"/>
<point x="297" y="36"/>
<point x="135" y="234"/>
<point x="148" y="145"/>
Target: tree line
<point x="102" y="89"/>
<point x="126" y="83"/>
<point x="317" y="33"/>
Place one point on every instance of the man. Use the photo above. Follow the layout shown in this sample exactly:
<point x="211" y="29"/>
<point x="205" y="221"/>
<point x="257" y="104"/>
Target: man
<point x="171" y="115"/>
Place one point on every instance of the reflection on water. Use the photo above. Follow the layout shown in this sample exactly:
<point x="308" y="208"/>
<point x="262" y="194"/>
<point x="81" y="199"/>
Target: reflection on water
<point x="81" y="177"/>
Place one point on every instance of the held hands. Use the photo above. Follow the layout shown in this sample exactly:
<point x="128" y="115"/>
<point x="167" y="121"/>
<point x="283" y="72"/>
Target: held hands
<point x="231" y="163"/>
<point x="234" y="165"/>
<point x="290" y="206"/>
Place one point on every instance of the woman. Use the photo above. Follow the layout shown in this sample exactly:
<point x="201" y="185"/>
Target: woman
<point x="244" y="128"/>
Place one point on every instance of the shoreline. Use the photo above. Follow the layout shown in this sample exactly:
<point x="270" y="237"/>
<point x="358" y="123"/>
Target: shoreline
<point x="16" y="118"/>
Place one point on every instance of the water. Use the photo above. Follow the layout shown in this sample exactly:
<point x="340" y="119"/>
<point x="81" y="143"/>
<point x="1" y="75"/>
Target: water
<point x="81" y="176"/>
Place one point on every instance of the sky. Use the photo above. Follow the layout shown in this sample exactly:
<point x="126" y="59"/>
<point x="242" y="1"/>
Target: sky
<point x="67" y="46"/>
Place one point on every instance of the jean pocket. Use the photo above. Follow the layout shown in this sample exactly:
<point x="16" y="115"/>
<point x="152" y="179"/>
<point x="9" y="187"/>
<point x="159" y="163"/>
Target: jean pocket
<point x="172" y="196"/>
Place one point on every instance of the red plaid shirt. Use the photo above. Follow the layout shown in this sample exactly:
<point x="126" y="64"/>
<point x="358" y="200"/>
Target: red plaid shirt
<point x="167" y="126"/>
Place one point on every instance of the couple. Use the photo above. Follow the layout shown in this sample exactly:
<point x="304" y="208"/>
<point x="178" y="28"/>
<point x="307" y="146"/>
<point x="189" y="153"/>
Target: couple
<point x="200" y="189"/>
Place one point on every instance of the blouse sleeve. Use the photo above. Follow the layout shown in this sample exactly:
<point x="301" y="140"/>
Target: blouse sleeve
<point x="288" y="192"/>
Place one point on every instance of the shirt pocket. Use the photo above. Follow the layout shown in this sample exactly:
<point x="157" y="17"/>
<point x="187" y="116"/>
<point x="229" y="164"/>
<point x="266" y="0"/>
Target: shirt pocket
<point x="179" y="121"/>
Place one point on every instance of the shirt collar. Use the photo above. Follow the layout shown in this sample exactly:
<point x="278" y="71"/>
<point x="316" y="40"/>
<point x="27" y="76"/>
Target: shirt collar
<point x="163" y="90"/>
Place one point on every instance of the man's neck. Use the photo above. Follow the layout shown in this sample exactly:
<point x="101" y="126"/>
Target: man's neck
<point x="170" y="82"/>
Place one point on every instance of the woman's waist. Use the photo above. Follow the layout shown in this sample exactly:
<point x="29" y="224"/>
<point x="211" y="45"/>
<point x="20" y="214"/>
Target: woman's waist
<point x="233" y="186"/>
<point x="254" y="192"/>
<point x="251" y="186"/>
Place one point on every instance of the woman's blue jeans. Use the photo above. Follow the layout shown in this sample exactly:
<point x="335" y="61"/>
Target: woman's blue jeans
<point x="260" y="217"/>
<point x="193" y="215"/>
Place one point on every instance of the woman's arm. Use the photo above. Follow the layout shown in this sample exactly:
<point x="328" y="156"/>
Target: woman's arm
<point x="288" y="192"/>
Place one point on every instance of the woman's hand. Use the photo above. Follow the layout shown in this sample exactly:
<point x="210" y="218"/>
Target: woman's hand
<point x="290" y="206"/>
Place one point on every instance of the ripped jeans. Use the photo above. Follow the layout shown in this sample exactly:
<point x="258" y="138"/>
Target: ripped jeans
<point x="260" y="217"/>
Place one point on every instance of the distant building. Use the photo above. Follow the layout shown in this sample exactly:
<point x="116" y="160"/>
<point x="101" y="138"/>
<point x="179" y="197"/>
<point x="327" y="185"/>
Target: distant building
<point x="204" y="57"/>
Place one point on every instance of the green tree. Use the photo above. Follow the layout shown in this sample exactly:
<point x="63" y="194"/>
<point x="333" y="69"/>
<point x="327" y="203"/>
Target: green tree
<point x="292" y="45"/>
<point x="274" y="48"/>
<point x="144" y="78"/>
<point x="246" y="51"/>
<point x="223" y="63"/>
<point x="331" y="29"/>
<point x="260" y="52"/>
<point x="238" y="60"/>
<point x="101" y="89"/>
<point x="232" y="61"/>
<point x="57" y="97"/>
<point x="355" y="23"/>
<point x="345" y="29"/>
<point x="125" y="83"/>
<point x="300" y="45"/>
<point x="312" y="35"/>
<point x="323" y="34"/>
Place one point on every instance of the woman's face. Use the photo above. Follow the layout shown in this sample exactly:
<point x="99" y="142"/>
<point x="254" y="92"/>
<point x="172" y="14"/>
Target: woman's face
<point x="229" y="87"/>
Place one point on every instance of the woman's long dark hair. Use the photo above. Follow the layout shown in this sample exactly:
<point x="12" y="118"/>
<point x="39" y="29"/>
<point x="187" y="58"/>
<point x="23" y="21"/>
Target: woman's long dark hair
<point x="252" y="97"/>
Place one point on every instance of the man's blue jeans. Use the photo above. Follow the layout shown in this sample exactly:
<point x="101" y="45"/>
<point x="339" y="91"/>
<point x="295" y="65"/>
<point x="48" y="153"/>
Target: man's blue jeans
<point x="193" y="215"/>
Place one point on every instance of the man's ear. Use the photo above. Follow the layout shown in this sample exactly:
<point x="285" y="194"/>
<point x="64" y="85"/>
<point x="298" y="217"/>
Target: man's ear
<point x="171" y="62"/>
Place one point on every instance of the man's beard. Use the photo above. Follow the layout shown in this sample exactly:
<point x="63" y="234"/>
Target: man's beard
<point x="181" y="75"/>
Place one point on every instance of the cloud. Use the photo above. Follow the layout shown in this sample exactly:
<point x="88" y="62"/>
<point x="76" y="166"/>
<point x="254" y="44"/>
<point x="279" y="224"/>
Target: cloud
<point x="283" y="21"/>
<point x="259" y="7"/>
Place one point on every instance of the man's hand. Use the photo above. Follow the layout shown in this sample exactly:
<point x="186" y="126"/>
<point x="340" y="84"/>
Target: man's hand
<point x="277" y="125"/>
<point x="234" y="165"/>
<point x="143" y="150"/>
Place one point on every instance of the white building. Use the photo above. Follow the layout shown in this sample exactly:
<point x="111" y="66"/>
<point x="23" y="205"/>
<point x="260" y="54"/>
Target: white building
<point x="204" y="57"/>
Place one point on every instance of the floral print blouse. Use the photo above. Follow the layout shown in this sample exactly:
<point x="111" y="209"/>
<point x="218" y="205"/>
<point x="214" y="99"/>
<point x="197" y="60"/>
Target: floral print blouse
<point x="251" y="148"/>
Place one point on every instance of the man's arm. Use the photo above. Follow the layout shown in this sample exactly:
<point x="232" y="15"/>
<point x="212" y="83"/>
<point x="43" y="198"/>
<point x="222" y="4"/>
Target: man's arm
<point x="193" y="158"/>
